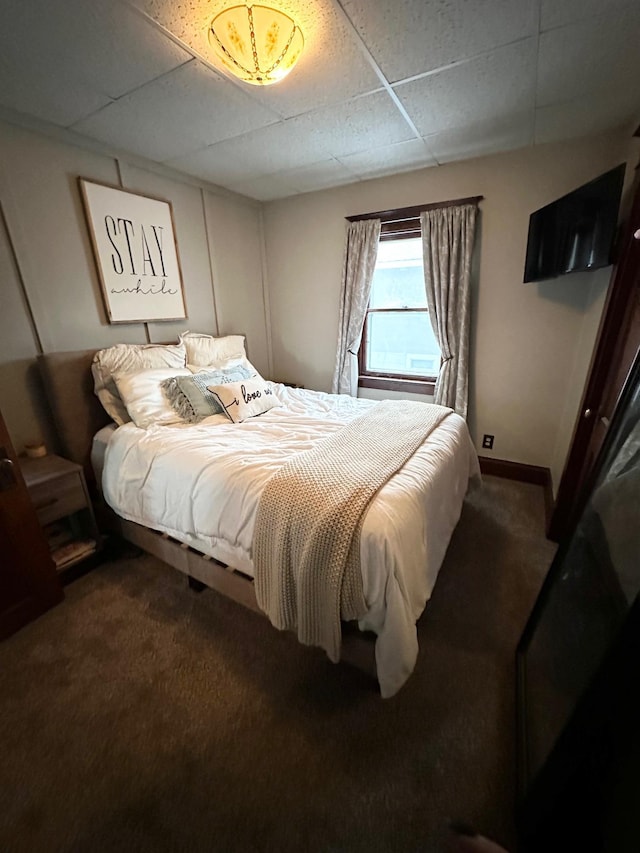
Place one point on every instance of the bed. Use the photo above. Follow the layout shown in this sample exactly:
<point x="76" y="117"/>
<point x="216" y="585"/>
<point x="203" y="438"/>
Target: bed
<point x="189" y="493"/>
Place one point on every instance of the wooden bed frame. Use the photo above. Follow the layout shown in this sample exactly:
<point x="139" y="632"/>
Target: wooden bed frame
<point x="78" y="415"/>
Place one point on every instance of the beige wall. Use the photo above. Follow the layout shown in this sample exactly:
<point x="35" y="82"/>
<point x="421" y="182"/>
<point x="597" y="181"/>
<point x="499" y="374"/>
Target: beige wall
<point x="531" y="343"/>
<point x="46" y="263"/>
<point x="528" y="341"/>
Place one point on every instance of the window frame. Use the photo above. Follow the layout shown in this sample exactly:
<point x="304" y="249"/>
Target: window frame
<point x="400" y="223"/>
<point x="390" y="381"/>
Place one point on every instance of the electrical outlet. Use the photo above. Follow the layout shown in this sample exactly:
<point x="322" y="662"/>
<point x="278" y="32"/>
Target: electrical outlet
<point x="487" y="441"/>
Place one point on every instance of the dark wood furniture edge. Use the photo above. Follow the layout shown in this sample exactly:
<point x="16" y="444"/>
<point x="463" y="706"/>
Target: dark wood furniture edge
<point x="536" y="474"/>
<point x="34" y="568"/>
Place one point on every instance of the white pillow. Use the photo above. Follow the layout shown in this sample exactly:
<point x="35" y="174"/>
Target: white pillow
<point x="246" y="399"/>
<point x="225" y="365"/>
<point x="207" y="351"/>
<point x="142" y="394"/>
<point x="127" y="358"/>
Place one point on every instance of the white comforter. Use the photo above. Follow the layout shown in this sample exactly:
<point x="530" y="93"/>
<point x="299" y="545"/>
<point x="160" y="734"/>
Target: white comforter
<point x="202" y="484"/>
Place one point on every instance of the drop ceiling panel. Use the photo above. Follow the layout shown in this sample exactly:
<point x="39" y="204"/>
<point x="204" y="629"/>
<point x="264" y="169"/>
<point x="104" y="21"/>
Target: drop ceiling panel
<point x="318" y="176"/>
<point x="183" y="111"/>
<point x="59" y="100"/>
<point x="477" y="140"/>
<point x="486" y="88"/>
<point x="588" y="115"/>
<point x="356" y="125"/>
<point x="139" y="76"/>
<point x="217" y="164"/>
<point x="266" y="188"/>
<point x="554" y="14"/>
<point x="583" y="57"/>
<point x="419" y="35"/>
<point x="388" y="159"/>
<point x="336" y="131"/>
<point x="263" y="152"/>
<point x="187" y="21"/>
<point x="331" y="68"/>
<point x="104" y="47"/>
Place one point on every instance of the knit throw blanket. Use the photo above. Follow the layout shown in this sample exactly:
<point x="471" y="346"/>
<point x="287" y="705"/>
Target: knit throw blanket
<point x="306" y="544"/>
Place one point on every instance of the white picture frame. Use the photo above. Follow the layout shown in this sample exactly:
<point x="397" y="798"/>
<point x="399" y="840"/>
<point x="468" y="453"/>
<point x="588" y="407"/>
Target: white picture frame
<point x="134" y="244"/>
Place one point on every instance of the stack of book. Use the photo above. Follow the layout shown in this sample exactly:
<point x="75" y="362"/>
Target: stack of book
<point x="72" y="551"/>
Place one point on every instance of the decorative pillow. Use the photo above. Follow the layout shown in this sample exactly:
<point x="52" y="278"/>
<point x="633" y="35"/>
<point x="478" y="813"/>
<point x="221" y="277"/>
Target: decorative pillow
<point x="242" y="400"/>
<point x="127" y="358"/>
<point x="207" y="351"/>
<point x="144" y="398"/>
<point x="190" y="397"/>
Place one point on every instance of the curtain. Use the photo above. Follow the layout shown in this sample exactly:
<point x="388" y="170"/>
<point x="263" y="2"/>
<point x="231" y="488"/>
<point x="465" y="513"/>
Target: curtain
<point x="447" y="244"/>
<point x="360" y="255"/>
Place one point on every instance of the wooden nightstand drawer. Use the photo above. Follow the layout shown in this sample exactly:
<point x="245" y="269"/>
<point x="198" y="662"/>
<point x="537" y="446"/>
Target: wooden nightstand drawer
<point x="54" y="499"/>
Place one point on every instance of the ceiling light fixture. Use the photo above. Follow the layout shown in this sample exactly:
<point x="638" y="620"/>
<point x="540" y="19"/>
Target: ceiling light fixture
<point x="258" y="44"/>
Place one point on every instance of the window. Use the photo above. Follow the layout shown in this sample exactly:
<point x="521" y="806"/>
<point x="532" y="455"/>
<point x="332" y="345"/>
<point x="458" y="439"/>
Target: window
<point x="399" y="350"/>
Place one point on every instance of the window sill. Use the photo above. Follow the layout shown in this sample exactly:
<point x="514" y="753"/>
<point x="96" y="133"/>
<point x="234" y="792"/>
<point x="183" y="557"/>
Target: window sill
<point x="388" y="383"/>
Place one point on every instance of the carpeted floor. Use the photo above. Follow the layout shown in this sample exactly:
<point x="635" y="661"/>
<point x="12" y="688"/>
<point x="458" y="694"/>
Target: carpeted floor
<point x="138" y="715"/>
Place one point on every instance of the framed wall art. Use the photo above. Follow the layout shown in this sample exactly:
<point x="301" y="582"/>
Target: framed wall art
<point x="134" y="243"/>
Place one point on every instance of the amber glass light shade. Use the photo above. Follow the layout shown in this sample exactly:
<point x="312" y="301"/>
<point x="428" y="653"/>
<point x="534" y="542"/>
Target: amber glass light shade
<point x="258" y="44"/>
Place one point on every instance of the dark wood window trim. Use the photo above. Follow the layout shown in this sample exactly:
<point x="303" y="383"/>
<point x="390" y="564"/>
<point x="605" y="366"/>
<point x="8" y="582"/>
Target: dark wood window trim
<point x="415" y="211"/>
<point x="388" y="383"/>
<point x="399" y="224"/>
<point x="402" y="223"/>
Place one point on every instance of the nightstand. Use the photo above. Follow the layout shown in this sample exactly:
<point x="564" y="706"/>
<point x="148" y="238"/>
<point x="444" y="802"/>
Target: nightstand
<point x="59" y="494"/>
<point x="289" y="384"/>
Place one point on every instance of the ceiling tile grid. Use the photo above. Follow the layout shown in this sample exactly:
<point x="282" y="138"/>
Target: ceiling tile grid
<point x="585" y="116"/>
<point x="488" y="87"/>
<point x="103" y="46"/>
<point x="356" y="125"/>
<point x="318" y="176"/>
<point x="57" y="100"/>
<point x="485" y="137"/>
<point x="558" y="14"/>
<point x="339" y="73"/>
<point x="266" y="188"/>
<point x="183" y="111"/>
<point x="415" y="36"/>
<point x="398" y="157"/>
<point x="280" y="146"/>
<point x="584" y="57"/>
<point x="469" y="77"/>
<point x="332" y="67"/>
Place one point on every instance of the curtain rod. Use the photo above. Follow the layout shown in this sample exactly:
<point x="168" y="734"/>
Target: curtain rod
<point x="408" y="212"/>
